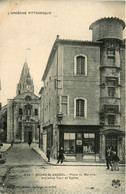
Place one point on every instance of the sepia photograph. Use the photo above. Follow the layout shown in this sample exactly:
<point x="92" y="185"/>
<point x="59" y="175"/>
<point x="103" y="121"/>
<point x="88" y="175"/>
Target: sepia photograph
<point x="62" y="96"/>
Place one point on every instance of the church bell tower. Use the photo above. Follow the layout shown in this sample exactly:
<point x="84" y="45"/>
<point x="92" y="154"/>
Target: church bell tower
<point x="26" y="82"/>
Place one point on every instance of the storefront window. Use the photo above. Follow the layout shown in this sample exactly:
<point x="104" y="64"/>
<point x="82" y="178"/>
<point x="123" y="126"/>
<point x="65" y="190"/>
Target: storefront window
<point x="89" y="143"/>
<point x="69" y="143"/>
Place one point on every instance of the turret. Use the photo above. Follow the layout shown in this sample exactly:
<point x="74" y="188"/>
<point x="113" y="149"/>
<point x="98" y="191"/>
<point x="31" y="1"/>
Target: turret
<point x="106" y="28"/>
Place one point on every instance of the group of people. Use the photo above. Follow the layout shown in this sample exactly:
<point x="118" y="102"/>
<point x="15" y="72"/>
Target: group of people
<point x="112" y="160"/>
<point x="60" y="155"/>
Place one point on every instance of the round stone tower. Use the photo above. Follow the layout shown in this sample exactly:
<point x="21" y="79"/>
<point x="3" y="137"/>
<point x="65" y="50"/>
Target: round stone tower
<point x="106" y="28"/>
<point x="109" y="31"/>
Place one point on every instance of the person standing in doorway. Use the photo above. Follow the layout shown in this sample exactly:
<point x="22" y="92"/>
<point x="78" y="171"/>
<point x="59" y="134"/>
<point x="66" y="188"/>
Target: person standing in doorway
<point x="61" y="155"/>
<point x="108" y="157"/>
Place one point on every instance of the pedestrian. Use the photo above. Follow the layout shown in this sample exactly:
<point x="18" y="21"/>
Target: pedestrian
<point x="115" y="161"/>
<point x="48" y="154"/>
<point x="108" y="157"/>
<point x="61" y="155"/>
<point x="12" y="143"/>
<point x="29" y="143"/>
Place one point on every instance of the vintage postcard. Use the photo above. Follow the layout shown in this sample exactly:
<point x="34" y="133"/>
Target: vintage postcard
<point x="62" y="97"/>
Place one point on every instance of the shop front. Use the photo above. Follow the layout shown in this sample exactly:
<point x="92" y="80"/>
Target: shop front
<point x="80" y="143"/>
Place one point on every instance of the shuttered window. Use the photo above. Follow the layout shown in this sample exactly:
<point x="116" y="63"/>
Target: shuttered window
<point x="80" y="65"/>
<point x="80" y="108"/>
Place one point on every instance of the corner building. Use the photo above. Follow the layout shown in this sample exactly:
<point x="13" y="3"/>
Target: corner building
<point x="83" y="98"/>
<point x="23" y="111"/>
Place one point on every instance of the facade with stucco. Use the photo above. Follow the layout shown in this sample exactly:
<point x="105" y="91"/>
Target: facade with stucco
<point x="83" y="98"/>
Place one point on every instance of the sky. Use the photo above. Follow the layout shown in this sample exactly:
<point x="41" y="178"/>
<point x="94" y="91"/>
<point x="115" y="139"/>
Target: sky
<point x="31" y="35"/>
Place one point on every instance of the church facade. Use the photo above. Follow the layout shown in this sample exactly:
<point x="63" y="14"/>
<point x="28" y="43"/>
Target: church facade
<point x="23" y="111"/>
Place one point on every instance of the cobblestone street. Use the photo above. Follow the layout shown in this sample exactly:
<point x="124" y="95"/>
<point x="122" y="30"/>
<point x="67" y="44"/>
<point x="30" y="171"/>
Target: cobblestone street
<point x="22" y="154"/>
<point x="26" y="172"/>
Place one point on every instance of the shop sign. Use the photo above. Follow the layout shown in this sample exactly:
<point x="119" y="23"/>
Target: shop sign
<point x="79" y="142"/>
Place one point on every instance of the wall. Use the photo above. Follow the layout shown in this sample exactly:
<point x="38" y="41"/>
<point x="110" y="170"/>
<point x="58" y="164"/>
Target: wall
<point x="10" y="117"/>
<point x="85" y="86"/>
<point x="122" y="89"/>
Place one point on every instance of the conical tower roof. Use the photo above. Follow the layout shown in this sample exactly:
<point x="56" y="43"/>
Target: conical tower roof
<point x="26" y="82"/>
<point x="25" y="73"/>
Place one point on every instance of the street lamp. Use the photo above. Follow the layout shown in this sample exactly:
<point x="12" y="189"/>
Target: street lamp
<point x="60" y="117"/>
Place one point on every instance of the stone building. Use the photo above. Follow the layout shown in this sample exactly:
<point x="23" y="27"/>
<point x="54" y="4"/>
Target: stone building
<point x="23" y="111"/>
<point x="3" y="121"/>
<point x="83" y="98"/>
<point x="3" y="124"/>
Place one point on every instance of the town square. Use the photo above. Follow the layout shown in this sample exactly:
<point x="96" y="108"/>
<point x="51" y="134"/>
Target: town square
<point x="62" y="97"/>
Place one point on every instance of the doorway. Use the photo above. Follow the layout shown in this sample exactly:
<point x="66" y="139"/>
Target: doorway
<point x="28" y="134"/>
<point x="79" y="143"/>
<point x="111" y="141"/>
<point x="79" y="146"/>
